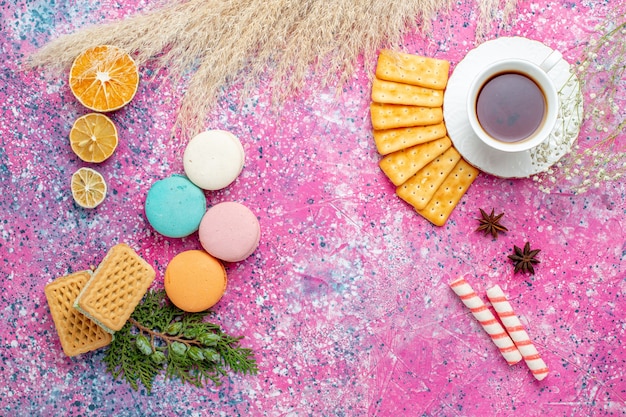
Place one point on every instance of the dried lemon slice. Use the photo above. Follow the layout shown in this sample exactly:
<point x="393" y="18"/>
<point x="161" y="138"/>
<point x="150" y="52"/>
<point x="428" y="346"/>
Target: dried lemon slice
<point x="93" y="137"/>
<point x="88" y="187"/>
<point x="104" y="78"/>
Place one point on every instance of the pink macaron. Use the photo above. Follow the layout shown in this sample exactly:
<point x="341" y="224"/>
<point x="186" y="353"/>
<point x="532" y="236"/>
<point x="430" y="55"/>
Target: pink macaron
<point x="229" y="231"/>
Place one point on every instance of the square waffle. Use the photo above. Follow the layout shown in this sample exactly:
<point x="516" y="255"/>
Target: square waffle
<point x="116" y="287"/>
<point x="78" y="334"/>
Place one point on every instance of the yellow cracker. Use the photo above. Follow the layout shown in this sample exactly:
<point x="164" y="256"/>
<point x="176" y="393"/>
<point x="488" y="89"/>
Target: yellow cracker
<point x="117" y="286"/>
<point x="384" y="91"/>
<point x="401" y="165"/>
<point x="420" y="188"/>
<point x="389" y="116"/>
<point x="449" y="193"/>
<point x="412" y="69"/>
<point x="392" y="140"/>
<point x="78" y="334"/>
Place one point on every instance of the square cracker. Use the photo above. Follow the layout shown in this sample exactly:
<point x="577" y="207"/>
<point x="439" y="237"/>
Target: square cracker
<point x="449" y="193"/>
<point x="412" y="69"/>
<point x="384" y="91"/>
<point x="420" y="188"/>
<point x="391" y="140"/>
<point x="401" y="165"/>
<point x="77" y="333"/>
<point x="390" y="116"/>
<point x="116" y="287"/>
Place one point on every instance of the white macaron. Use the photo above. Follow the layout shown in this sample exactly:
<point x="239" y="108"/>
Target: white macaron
<point x="213" y="159"/>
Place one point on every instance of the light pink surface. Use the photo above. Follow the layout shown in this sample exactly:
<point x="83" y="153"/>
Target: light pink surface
<point x="346" y="301"/>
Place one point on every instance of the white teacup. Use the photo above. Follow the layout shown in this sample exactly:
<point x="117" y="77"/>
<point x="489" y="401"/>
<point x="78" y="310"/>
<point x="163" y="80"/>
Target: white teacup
<point x="513" y="104"/>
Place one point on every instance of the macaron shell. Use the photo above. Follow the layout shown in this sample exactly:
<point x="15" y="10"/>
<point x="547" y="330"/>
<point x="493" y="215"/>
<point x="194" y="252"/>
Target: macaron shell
<point x="213" y="159"/>
<point x="195" y="281"/>
<point x="229" y="231"/>
<point x="174" y="206"/>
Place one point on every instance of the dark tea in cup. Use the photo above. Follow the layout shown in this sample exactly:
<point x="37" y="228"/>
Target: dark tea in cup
<point x="512" y="104"/>
<point x="510" y="107"/>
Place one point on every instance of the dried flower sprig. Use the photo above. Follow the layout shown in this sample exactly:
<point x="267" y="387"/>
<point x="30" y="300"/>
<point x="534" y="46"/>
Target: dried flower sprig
<point x="599" y="155"/>
<point x="238" y="43"/>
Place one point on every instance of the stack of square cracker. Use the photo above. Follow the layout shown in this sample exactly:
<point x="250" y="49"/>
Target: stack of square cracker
<point x="410" y="134"/>
<point x="87" y="308"/>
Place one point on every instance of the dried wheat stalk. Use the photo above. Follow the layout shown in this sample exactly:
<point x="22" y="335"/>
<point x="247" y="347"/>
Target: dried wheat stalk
<point x="236" y="42"/>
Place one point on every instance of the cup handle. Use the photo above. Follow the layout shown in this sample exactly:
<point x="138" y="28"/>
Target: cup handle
<point x="552" y="59"/>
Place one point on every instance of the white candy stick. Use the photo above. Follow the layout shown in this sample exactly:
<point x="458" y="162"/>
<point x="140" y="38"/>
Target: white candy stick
<point x="486" y="318"/>
<point x="517" y="332"/>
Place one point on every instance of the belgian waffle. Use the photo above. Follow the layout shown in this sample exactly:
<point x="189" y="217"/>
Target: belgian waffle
<point x="116" y="287"/>
<point x="78" y="334"/>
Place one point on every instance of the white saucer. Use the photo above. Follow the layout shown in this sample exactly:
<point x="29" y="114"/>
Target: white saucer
<point x="507" y="164"/>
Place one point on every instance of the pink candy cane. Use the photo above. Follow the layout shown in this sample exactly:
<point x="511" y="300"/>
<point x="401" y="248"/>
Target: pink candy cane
<point x="513" y="325"/>
<point x="486" y="318"/>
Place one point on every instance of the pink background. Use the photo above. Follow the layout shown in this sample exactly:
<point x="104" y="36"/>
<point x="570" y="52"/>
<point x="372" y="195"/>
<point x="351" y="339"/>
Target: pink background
<point x="346" y="301"/>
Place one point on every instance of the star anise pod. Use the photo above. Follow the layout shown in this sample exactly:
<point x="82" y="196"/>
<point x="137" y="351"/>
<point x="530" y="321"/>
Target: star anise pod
<point x="523" y="259"/>
<point x="490" y="223"/>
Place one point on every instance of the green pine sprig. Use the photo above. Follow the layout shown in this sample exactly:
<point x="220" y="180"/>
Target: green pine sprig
<point x="161" y="337"/>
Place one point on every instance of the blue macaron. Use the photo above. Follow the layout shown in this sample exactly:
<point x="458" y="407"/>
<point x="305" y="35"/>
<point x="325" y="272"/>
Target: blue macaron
<point x="175" y="206"/>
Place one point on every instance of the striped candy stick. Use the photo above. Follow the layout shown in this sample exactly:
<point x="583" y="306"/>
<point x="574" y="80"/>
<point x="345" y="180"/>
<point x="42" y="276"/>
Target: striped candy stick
<point x="516" y="330"/>
<point x="486" y="318"/>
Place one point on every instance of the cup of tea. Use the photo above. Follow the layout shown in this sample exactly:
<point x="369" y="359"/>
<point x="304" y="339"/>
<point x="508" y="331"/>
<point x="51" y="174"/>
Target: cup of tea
<point x="512" y="104"/>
